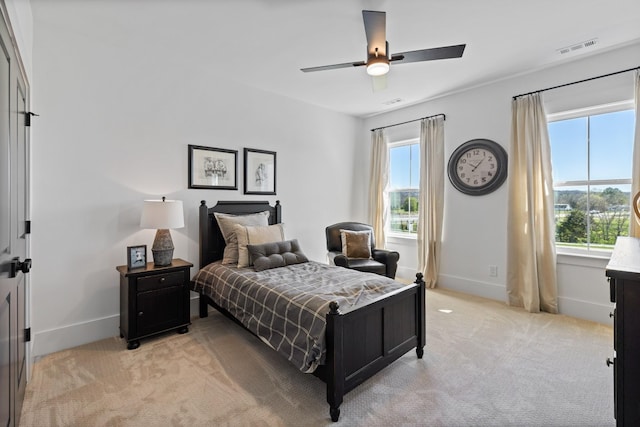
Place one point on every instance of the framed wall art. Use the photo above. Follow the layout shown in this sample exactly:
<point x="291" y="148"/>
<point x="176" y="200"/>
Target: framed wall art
<point x="259" y="171"/>
<point x="136" y="256"/>
<point x="213" y="168"/>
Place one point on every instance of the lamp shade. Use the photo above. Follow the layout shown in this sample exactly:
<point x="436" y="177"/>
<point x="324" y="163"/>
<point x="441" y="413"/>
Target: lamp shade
<point x="162" y="214"/>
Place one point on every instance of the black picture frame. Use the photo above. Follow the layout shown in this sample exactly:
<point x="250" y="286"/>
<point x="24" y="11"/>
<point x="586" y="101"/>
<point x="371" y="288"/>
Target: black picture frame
<point x="259" y="171"/>
<point x="213" y="168"/>
<point x="136" y="257"/>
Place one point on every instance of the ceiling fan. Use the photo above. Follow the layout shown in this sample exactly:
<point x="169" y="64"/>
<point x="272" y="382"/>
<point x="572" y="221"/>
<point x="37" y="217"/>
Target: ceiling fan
<point x="378" y="56"/>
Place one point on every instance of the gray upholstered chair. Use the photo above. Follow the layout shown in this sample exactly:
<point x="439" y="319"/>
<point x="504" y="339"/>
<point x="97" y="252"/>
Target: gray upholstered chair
<point x="382" y="261"/>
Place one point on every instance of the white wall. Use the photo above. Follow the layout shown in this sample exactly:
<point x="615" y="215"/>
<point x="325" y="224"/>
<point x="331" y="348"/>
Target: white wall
<point x="474" y="234"/>
<point x="117" y="112"/>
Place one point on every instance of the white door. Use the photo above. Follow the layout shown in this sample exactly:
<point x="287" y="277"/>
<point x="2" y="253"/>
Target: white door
<point x="14" y="229"/>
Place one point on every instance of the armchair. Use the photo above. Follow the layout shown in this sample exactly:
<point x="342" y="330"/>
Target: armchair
<point x="381" y="262"/>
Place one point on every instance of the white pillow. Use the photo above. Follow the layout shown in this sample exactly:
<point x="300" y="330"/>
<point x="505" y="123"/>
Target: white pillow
<point x="255" y="235"/>
<point x="227" y="222"/>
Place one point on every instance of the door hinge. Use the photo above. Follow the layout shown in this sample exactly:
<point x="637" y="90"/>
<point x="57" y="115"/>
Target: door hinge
<point x="27" y="227"/>
<point x="27" y="335"/>
<point x="27" y="117"/>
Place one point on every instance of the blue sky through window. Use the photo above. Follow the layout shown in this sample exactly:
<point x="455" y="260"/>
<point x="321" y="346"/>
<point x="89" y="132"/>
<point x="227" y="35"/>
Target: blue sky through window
<point x="404" y="164"/>
<point x="611" y="151"/>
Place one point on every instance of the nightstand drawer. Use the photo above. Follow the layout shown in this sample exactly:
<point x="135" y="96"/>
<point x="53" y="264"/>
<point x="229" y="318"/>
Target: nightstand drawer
<point x="159" y="281"/>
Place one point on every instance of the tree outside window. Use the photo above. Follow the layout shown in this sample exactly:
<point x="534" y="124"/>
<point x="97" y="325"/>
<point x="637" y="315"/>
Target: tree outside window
<point x="591" y="158"/>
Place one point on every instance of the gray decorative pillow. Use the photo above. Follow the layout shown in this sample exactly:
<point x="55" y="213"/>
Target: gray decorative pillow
<point x="227" y="222"/>
<point x="276" y="254"/>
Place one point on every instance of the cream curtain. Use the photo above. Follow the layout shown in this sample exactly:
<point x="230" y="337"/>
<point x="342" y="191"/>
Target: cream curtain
<point x="431" y="203"/>
<point x="531" y="252"/>
<point x="378" y="196"/>
<point x="635" y="174"/>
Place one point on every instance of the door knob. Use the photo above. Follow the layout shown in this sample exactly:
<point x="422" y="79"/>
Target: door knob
<point x="17" y="265"/>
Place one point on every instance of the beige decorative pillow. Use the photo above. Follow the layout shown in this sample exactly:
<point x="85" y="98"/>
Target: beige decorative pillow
<point x="227" y="222"/>
<point x="255" y="235"/>
<point x="356" y="244"/>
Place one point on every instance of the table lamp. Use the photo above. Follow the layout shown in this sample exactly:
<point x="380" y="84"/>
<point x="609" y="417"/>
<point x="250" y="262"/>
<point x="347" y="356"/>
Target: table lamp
<point x="162" y="215"/>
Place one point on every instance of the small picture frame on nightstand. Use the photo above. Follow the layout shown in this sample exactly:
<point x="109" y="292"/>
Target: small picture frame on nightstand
<point x="136" y="256"/>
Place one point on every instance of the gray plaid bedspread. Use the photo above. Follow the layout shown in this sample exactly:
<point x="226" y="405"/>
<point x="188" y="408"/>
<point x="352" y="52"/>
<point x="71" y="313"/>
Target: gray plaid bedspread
<point x="286" y="306"/>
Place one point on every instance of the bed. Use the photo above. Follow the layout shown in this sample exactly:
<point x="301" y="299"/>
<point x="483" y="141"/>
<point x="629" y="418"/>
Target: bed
<point x="360" y="336"/>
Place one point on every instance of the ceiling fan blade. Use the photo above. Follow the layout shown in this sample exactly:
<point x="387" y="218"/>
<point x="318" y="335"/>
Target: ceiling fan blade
<point x="333" y="67"/>
<point x="375" y="28"/>
<point x="444" y="52"/>
<point x="379" y="82"/>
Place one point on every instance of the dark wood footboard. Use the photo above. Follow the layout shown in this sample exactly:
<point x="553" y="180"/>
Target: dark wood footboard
<point x="362" y="341"/>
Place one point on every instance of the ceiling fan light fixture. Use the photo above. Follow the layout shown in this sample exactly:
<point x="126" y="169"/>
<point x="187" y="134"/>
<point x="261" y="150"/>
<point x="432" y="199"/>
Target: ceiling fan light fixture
<point x="378" y="66"/>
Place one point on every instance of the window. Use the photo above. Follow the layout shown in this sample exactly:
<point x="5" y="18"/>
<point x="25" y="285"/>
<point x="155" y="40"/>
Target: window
<point x="404" y="186"/>
<point x="591" y="155"/>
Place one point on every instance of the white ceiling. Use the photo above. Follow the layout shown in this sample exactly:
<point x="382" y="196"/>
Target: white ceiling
<point x="264" y="43"/>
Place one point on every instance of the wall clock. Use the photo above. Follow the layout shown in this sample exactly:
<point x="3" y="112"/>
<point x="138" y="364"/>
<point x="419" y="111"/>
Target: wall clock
<point x="478" y="167"/>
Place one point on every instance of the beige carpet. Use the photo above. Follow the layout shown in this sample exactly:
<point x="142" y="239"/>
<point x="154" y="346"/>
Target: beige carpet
<point x="485" y="364"/>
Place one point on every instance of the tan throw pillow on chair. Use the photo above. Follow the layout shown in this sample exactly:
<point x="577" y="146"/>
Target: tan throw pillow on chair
<point x="356" y="244"/>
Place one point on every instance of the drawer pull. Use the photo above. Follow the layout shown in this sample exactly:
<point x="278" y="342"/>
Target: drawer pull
<point x="610" y="314"/>
<point x="162" y="279"/>
<point x="140" y="313"/>
<point x="610" y="362"/>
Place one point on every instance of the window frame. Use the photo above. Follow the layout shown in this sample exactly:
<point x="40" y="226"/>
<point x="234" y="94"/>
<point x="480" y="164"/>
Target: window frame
<point x="390" y="145"/>
<point x="580" y="113"/>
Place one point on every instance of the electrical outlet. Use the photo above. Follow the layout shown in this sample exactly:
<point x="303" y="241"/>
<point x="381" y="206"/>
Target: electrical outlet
<point x="493" y="271"/>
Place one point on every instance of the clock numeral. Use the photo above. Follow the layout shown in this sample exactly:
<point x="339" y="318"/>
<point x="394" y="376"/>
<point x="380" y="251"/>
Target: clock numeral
<point x="489" y="174"/>
<point x="492" y="166"/>
<point x="462" y="175"/>
<point x="484" y="179"/>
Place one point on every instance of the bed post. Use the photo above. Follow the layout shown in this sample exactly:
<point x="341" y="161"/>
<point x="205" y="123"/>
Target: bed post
<point x="203" y="306"/>
<point x="204" y="248"/>
<point x="278" y="210"/>
<point x="420" y="315"/>
<point x="335" y="363"/>
<point x="204" y="231"/>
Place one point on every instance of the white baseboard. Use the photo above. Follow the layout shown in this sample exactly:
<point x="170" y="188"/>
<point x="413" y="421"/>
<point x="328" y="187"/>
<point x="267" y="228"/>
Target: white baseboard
<point x="64" y="337"/>
<point x="57" y="339"/>
<point x="68" y="336"/>
<point x="473" y="287"/>
<point x="586" y="310"/>
<point x="572" y="307"/>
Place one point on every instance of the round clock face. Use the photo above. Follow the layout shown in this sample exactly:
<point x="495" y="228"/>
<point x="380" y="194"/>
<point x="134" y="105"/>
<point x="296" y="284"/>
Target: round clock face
<point x="478" y="167"/>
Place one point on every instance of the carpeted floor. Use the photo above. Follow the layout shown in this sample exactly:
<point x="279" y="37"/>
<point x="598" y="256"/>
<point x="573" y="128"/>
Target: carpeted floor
<point x="485" y="364"/>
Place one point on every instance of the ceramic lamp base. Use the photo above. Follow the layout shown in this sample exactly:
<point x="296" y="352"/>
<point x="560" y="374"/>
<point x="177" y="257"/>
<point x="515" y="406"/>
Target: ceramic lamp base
<point x="162" y="248"/>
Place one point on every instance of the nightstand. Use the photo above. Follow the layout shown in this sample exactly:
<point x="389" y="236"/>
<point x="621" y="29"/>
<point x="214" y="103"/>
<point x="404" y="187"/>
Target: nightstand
<point x="153" y="300"/>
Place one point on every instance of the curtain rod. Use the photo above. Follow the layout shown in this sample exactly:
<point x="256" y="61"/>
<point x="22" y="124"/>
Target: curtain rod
<point x="579" y="81"/>
<point x="409" y="121"/>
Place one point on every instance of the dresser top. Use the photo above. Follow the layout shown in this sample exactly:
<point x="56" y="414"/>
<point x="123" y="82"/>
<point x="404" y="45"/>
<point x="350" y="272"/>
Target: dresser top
<point x="625" y="259"/>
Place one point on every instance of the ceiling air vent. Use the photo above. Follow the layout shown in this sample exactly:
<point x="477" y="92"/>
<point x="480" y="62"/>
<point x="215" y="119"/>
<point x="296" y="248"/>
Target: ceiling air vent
<point x="392" y="101"/>
<point x="578" y="46"/>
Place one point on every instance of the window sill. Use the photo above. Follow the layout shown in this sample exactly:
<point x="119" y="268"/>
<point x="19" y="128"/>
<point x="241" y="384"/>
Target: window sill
<point x="595" y="259"/>
<point x="401" y="236"/>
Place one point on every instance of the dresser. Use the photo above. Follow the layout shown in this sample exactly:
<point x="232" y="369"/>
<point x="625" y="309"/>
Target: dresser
<point x="623" y="272"/>
<point x="153" y="300"/>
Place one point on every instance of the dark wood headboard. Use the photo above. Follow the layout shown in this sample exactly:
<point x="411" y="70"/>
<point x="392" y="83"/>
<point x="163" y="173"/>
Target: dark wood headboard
<point x="211" y="241"/>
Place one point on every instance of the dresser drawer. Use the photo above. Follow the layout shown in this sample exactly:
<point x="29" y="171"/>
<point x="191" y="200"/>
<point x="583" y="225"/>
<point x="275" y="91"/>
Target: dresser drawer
<point x="159" y="281"/>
